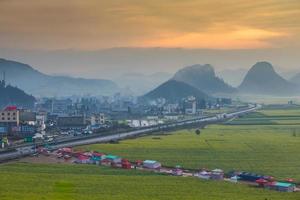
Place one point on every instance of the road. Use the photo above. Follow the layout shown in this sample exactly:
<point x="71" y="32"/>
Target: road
<point x="28" y="150"/>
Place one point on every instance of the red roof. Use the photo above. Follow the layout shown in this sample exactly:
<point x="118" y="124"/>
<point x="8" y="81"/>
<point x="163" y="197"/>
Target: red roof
<point x="82" y="157"/>
<point x="272" y="183"/>
<point x="10" y="108"/>
<point x="98" y="154"/>
<point x="139" y="162"/>
<point x="261" y="181"/>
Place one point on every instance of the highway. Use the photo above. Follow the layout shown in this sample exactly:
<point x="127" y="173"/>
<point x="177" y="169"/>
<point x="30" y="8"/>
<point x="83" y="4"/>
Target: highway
<point x="28" y="150"/>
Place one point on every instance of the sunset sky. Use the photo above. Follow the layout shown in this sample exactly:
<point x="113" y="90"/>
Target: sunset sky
<point x="90" y="25"/>
<point x="97" y="24"/>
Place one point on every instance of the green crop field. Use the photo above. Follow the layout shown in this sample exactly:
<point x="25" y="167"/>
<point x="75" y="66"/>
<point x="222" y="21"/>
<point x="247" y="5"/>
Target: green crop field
<point x="72" y="182"/>
<point x="265" y="142"/>
<point x="267" y="147"/>
<point x="270" y="117"/>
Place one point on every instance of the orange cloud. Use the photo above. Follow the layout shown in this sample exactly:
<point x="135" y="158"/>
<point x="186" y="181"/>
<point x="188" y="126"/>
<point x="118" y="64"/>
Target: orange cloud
<point x="242" y="38"/>
<point x="97" y="24"/>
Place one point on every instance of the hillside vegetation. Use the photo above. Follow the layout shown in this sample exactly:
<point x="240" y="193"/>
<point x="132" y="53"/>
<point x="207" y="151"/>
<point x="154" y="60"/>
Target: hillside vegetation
<point x="10" y="95"/>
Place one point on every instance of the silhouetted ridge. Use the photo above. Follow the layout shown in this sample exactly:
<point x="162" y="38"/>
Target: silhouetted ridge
<point x="263" y="79"/>
<point x="174" y="91"/>
<point x="14" y="96"/>
<point x="39" y="84"/>
<point x="203" y="77"/>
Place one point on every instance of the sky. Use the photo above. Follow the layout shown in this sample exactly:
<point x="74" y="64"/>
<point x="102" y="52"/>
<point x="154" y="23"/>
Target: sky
<point x="95" y="25"/>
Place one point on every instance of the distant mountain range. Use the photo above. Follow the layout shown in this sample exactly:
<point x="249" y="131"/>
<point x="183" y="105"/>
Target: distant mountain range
<point x="201" y="81"/>
<point x="39" y="84"/>
<point x="14" y="96"/>
<point x="119" y="61"/>
<point x="174" y="91"/>
<point x="262" y="79"/>
<point x="203" y="78"/>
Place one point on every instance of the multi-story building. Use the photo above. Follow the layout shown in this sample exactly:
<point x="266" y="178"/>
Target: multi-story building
<point x="71" y="122"/>
<point x="10" y="115"/>
<point x="191" y="105"/>
<point x="97" y="119"/>
<point x="17" y="123"/>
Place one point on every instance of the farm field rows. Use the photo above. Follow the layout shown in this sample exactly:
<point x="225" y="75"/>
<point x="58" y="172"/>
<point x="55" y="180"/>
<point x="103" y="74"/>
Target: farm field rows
<point x="65" y="182"/>
<point x="270" y="149"/>
<point x="270" y="117"/>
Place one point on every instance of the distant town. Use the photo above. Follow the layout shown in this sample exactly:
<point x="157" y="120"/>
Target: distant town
<point x="150" y="100"/>
<point x="50" y="119"/>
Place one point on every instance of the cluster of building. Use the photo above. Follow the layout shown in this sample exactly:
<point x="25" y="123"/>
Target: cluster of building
<point x="96" y="113"/>
<point x="17" y="123"/>
<point x="216" y="174"/>
<point x="137" y="123"/>
<point x="97" y="158"/>
<point x="104" y="159"/>
<point x="267" y="182"/>
<point x="188" y="106"/>
<point x="20" y="123"/>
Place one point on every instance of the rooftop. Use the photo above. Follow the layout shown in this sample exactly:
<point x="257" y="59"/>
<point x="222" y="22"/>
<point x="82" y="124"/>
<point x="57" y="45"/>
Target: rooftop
<point x="282" y="184"/>
<point x="150" y="161"/>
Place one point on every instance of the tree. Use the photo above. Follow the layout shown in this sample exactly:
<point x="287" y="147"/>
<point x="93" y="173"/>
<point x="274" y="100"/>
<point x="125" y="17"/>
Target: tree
<point x="197" y="132"/>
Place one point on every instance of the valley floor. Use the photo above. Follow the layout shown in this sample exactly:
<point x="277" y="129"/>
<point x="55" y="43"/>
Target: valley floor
<point x="266" y="142"/>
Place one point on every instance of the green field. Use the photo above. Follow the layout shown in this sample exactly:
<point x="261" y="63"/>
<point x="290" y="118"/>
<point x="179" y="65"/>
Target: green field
<point x="270" y="117"/>
<point x="264" y="99"/>
<point x="270" y="149"/>
<point x="265" y="142"/>
<point x="66" y="182"/>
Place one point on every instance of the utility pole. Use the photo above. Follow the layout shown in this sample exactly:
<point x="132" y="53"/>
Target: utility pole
<point x="4" y="75"/>
<point x="2" y="82"/>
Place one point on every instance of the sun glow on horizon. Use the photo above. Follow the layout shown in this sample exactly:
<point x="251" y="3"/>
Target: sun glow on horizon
<point x="90" y="25"/>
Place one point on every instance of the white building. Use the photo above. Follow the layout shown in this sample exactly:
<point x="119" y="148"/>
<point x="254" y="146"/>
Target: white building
<point x="134" y="123"/>
<point x="40" y="121"/>
<point x="144" y="123"/>
<point x="151" y="164"/>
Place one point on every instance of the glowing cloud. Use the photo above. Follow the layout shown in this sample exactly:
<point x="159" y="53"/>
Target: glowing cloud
<point x="82" y="24"/>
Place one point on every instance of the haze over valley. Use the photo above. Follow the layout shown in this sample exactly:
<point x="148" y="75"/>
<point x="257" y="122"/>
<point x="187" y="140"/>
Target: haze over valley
<point x="150" y="99"/>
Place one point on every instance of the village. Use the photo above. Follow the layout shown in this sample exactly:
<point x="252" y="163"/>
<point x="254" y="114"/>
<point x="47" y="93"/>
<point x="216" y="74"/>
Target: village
<point x="68" y="155"/>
